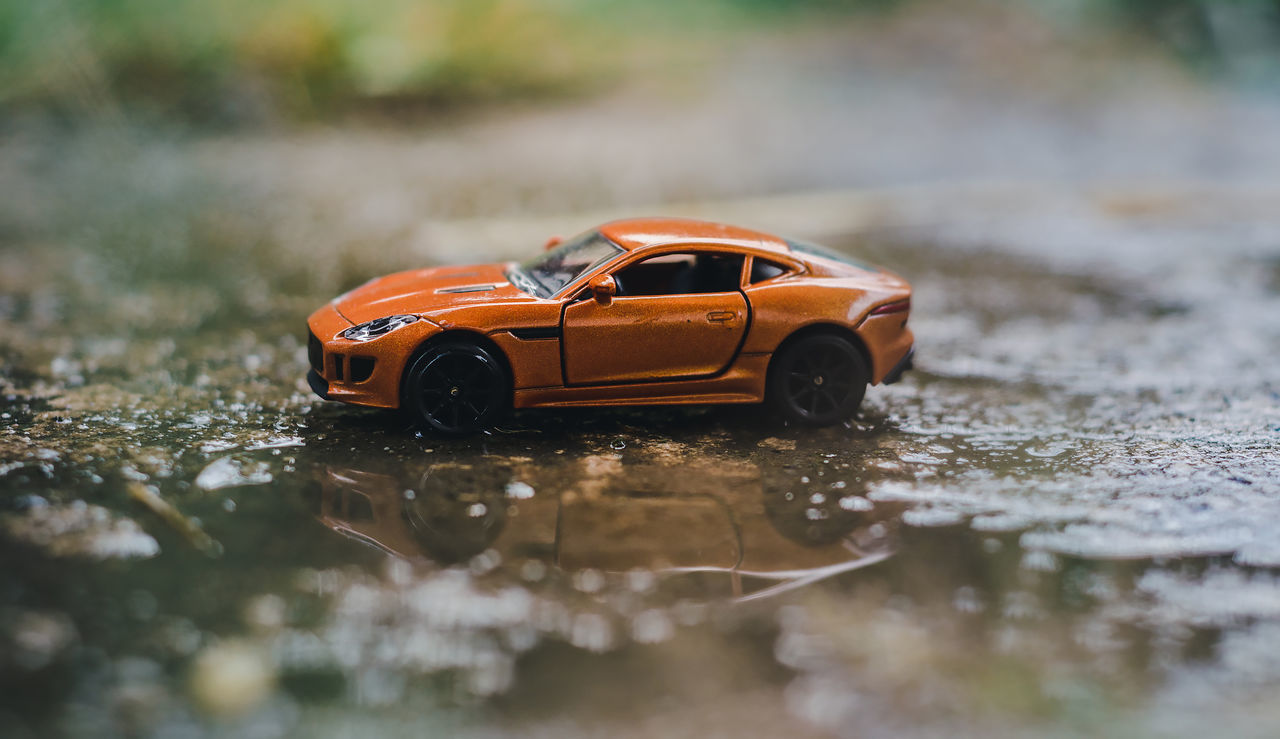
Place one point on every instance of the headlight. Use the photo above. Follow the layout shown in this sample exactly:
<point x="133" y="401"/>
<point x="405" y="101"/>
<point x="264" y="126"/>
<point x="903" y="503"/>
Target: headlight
<point x="377" y="327"/>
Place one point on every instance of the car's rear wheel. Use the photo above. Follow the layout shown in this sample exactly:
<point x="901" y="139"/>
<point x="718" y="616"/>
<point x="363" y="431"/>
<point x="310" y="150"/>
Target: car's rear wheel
<point x="818" y="380"/>
<point x="456" y="388"/>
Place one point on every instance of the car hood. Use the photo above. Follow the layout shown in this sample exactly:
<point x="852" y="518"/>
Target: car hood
<point x="423" y="291"/>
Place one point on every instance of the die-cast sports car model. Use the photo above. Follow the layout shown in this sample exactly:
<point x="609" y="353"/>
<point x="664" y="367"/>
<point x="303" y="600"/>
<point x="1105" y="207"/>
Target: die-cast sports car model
<point x="652" y="311"/>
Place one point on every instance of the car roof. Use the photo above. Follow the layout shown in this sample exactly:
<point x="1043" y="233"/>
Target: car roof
<point x="640" y="233"/>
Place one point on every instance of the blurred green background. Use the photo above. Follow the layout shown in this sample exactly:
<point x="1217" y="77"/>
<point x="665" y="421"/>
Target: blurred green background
<point x="238" y="61"/>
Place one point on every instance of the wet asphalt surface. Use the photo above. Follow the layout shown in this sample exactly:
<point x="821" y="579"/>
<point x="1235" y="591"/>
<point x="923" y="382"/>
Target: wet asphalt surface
<point x="1065" y="521"/>
<point x="1064" y="518"/>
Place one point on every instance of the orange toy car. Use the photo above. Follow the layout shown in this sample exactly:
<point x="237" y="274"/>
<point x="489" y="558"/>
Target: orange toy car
<point x="647" y="311"/>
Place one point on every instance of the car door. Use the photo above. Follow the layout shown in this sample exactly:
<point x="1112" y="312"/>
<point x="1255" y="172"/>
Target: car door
<point x="676" y="315"/>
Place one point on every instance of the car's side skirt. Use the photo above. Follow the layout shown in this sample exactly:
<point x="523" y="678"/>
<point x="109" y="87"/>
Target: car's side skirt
<point x="743" y="382"/>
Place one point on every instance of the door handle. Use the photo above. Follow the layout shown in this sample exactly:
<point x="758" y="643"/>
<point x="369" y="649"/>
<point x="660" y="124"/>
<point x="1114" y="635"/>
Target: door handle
<point x="720" y="316"/>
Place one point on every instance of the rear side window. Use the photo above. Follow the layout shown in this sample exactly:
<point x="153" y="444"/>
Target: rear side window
<point x="763" y="269"/>
<point x="816" y="250"/>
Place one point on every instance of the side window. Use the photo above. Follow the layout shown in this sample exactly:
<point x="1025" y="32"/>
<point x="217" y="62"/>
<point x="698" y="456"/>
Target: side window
<point x="763" y="269"/>
<point x="681" y="274"/>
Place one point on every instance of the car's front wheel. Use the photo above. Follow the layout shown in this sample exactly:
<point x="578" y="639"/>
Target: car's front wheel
<point x="818" y="380"/>
<point x="456" y="388"/>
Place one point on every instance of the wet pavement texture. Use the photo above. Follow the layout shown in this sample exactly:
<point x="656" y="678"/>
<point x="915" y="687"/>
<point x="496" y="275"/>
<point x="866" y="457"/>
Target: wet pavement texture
<point x="1065" y="521"/>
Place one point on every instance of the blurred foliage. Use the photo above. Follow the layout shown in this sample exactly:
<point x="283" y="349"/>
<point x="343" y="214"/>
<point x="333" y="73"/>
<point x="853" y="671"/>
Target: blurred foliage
<point x="239" y="60"/>
<point x="1235" y="36"/>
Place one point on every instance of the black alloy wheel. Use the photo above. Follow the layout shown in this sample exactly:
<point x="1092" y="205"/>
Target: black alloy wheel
<point x="456" y="388"/>
<point x="818" y="380"/>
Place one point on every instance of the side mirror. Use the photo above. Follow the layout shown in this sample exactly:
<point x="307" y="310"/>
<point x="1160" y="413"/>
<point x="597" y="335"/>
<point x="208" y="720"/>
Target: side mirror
<point x="603" y="288"/>
<point x="552" y="243"/>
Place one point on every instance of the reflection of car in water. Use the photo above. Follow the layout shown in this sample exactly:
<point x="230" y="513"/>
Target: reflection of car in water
<point x="741" y="533"/>
<point x="446" y="525"/>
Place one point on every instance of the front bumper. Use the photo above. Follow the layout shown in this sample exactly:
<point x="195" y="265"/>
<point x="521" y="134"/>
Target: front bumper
<point x="319" y="385"/>
<point x="359" y="372"/>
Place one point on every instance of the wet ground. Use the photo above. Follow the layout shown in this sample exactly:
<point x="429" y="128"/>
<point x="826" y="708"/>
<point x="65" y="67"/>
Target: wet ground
<point x="1065" y="522"/>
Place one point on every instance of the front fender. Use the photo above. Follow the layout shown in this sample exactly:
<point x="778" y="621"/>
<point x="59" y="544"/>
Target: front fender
<point x="340" y="359"/>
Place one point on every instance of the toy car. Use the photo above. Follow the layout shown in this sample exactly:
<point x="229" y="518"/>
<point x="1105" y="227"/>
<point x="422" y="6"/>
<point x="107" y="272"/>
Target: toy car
<point x="648" y="311"/>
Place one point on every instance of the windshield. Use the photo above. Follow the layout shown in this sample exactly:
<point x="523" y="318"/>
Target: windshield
<point x="547" y="274"/>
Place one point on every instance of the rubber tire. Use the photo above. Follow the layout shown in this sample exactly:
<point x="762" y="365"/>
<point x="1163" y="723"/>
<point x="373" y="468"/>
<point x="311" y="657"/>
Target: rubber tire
<point x="483" y="390"/>
<point x="800" y="387"/>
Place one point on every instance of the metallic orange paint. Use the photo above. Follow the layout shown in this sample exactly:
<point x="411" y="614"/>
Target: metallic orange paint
<point x="666" y="336"/>
<point x="574" y="349"/>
